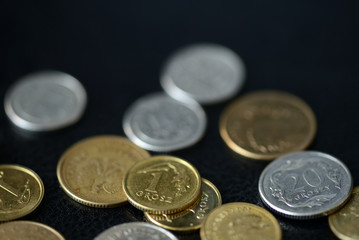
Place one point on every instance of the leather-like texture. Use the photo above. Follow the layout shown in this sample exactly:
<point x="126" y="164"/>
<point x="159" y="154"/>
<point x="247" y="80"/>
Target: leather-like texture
<point x="117" y="48"/>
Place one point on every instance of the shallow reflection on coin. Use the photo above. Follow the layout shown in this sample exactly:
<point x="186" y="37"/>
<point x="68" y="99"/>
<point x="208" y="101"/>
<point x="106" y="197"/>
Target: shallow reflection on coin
<point x="267" y="124"/>
<point x="21" y="192"/>
<point x="305" y="184"/>
<point x="345" y="222"/>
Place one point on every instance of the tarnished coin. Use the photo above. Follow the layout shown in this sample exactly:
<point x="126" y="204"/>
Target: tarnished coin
<point x="45" y="101"/>
<point x="91" y="171"/>
<point x="28" y="230"/>
<point x="193" y="217"/>
<point x="345" y="222"/>
<point x="208" y="73"/>
<point x="267" y="124"/>
<point x="240" y="220"/>
<point x="136" y="231"/>
<point x="162" y="184"/>
<point x="21" y="191"/>
<point x="159" y="123"/>
<point x="305" y="185"/>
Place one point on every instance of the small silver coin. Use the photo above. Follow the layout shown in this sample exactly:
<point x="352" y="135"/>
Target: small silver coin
<point x="136" y="231"/>
<point x="207" y="73"/>
<point x="159" y="123"/>
<point x="304" y="185"/>
<point x="45" y="101"/>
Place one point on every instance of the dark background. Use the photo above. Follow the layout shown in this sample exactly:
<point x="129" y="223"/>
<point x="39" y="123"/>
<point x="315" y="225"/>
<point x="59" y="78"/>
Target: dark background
<point x="116" y="49"/>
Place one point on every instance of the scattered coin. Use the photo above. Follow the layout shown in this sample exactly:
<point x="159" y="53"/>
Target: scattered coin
<point x="45" y="101"/>
<point x="305" y="185"/>
<point x="91" y="171"/>
<point x="267" y="124"/>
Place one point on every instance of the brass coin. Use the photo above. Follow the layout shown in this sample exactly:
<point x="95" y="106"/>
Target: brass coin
<point x="91" y="171"/>
<point x="28" y="230"/>
<point x="193" y="217"/>
<point x="345" y="222"/>
<point x="240" y="220"/>
<point x="21" y="191"/>
<point x="267" y="124"/>
<point x="162" y="184"/>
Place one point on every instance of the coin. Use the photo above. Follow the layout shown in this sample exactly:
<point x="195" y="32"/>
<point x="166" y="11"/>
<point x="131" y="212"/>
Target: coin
<point x="28" y="230"/>
<point x="208" y="73"/>
<point x="21" y="191"/>
<point x="239" y="220"/>
<point x="345" y="222"/>
<point x="159" y="123"/>
<point x="193" y="217"/>
<point x="267" y="124"/>
<point x="305" y="185"/>
<point x="162" y="184"/>
<point x="45" y="101"/>
<point x="91" y="171"/>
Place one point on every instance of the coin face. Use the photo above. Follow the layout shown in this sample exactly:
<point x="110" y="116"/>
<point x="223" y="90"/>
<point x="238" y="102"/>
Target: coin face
<point x="28" y="230"/>
<point x="267" y="124"/>
<point x="136" y="230"/>
<point x="345" y="222"/>
<point x="44" y="101"/>
<point x="92" y="170"/>
<point x="162" y="184"/>
<point x="193" y="217"/>
<point x="21" y="192"/>
<point x="240" y="220"/>
<point x="159" y="123"/>
<point x="208" y="73"/>
<point x="305" y="184"/>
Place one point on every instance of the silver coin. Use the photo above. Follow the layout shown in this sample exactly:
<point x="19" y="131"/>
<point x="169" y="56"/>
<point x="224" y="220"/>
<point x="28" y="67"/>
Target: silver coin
<point x="136" y="231"/>
<point x="208" y="73"/>
<point x="157" y="122"/>
<point x="305" y="185"/>
<point x="45" y="101"/>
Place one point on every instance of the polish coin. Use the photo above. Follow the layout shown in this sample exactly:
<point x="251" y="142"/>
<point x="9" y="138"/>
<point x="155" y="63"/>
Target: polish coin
<point x="159" y="123"/>
<point x="45" y="101"/>
<point x="208" y="73"/>
<point x="305" y="185"/>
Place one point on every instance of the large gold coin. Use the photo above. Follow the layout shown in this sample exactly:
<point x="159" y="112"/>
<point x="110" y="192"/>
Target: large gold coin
<point x="193" y="217"/>
<point x="267" y="124"/>
<point x="240" y="220"/>
<point x="162" y="184"/>
<point x="21" y="192"/>
<point x="28" y="230"/>
<point x="345" y="223"/>
<point x="92" y="170"/>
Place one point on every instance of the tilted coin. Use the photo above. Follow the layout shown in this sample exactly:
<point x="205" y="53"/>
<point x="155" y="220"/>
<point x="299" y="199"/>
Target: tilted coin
<point x="21" y="191"/>
<point x="239" y="220"/>
<point x="345" y="222"/>
<point x="162" y="184"/>
<point x="91" y="171"/>
<point x="28" y="230"/>
<point x="159" y="123"/>
<point x="136" y="230"/>
<point x="305" y="184"/>
<point x="193" y="217"/>
<point x="267" y="124"/>
<point x="208" y="73"/>
<point x="45" y="101"/>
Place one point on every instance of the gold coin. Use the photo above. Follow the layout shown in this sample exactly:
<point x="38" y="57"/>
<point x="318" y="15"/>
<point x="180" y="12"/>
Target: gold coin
<point x="240" y="220"/>
<point x="21" y="191"/>
<point x="162" y="184"/>
<point x="345" y="222"/>
<point x="28" y="230"/>
<point x="192" y="218"/>
<point x="91" y="171"/>
<point x="267" y="124"/>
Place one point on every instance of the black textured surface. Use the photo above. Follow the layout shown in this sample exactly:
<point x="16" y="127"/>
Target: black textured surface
<point x="116" y="49"/>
